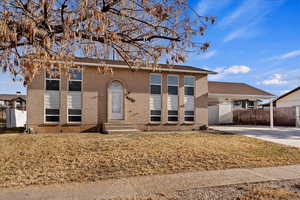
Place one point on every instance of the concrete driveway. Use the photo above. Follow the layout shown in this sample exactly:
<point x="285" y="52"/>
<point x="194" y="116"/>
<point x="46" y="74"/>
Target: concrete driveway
<point x="281" y="135"/>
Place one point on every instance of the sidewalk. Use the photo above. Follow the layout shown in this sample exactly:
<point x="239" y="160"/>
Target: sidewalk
<point x="145" y="185"/>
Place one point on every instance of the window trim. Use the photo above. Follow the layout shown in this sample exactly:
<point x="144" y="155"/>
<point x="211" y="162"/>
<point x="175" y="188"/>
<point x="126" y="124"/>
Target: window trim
<point x="194" y="86"/>
<point x="177" y="76"/>
<point x="69" y="79"/>
<point x="45" y="90"/>
<point x="161" y="90"/>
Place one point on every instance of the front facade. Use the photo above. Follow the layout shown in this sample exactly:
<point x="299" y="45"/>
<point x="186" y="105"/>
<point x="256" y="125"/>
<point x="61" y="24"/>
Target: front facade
<point x="143" y="100"/>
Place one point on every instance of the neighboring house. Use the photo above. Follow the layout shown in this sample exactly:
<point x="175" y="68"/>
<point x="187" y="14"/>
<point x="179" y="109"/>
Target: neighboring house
<point x="170" y="98"/>
<point x="289" y="99"/>
<point x="12" y="110"/>
<point x="13" y="101"/>
<point x="224" y="97"/>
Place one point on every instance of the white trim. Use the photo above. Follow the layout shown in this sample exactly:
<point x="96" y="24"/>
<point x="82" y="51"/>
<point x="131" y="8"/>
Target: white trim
<point x="240" y="95"/>
<point x="69" y="79"/>
<point x="133" y="67"/>
<point x="59" y="96"/>
<point x="161" y="90"/>
<point x="194" y="98"/>
<point x="177" y="85"/>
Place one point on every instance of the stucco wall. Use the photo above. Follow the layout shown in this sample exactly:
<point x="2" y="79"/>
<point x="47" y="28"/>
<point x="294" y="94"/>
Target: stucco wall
<point x="290" y="100"/>
<point x="95" y="101"/>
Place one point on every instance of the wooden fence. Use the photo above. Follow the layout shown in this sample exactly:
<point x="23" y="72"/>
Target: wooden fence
<point x="282" y="117"/>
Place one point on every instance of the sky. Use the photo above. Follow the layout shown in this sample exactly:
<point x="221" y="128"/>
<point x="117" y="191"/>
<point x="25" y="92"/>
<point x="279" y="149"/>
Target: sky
<point x="254" y="41"/>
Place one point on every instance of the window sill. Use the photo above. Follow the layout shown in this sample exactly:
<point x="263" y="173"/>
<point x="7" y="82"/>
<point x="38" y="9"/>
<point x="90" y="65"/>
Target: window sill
<point x="187" y="122"/>
<point x="154" y="123"/>
<point x="170" y="122"/>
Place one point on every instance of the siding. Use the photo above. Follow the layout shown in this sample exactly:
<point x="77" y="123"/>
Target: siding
<point x="290" y="100"/>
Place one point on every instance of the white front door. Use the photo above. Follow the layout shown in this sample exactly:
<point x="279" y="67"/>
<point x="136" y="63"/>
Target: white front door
<point x="116" y="100"/>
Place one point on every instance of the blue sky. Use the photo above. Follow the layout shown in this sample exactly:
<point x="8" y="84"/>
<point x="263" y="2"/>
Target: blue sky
<point x="254" y="41"/>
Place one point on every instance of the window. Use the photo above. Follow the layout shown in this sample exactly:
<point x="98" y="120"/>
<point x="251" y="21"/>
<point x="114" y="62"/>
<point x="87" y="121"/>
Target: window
<point x="53" y="79"/>
<point x="189" y="98"/>
<point x="243" y="104"/>
<point x="51" y="97"/>
<point x="51" y="103"/>
<point x="155" y="97"/>
<point x="75" y="81"/>
<point x="18" y="104"/>
<point x="74" y="106"/>
<point x="173" y="83"/>
<point x="237" y="103"/>
<point x="251" y="104"/>
<point x="74" y="96"/>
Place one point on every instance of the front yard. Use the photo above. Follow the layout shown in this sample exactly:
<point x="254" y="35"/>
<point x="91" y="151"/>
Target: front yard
<point x="48" y="159"/>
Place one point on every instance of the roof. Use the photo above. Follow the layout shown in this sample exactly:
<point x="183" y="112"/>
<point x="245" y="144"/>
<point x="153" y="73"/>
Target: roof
<point x="9" y="97"/>
<point x="123" y="64"/>
<point x="288" y="93"/>
<point x="229" y="88"/>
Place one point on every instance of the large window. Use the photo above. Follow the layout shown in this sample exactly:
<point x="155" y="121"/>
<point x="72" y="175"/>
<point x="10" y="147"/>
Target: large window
<point x="51" y="97"/>
<point x="75" y="95"/>
<point x="189" y="98"/>
<point x="173" y="83"/>
<point x="155" y="97"/>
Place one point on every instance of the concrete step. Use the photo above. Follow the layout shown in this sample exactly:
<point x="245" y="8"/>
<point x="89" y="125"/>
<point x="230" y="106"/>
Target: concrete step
<point x="119" y="128"/>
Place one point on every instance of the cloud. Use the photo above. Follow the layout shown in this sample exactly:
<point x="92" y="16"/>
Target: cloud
<point x="276" y="79"/>
<point x="236" y="34"/>
<point x="211" y="7"/>
<point x="289" y="55"/>
<point x="209" y="54"/>
<point x="234" y="69"/>
<point x="238" y="69"/>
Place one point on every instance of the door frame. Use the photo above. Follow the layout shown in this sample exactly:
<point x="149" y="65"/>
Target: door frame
<point x="109" y="101"/>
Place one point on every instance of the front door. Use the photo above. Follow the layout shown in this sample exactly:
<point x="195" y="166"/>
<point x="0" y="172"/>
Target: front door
<point x="116" y="100"/>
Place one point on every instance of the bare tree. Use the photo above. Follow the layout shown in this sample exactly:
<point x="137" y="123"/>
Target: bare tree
<point x="33" y="32"/>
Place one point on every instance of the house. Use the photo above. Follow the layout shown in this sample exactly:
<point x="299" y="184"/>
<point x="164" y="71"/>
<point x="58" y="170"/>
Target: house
<point x="225" y="97"/>
<point x="129" y="99"/>
<point x="12" y="110"/>
<point x="16" y="101"/>
<point x="289" y="99"/>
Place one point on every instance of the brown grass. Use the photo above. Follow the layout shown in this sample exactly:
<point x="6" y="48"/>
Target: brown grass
<point x="49" y="159"/>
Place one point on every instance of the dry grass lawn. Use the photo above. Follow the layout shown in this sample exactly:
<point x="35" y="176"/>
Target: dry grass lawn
<point x="48" y="159"/>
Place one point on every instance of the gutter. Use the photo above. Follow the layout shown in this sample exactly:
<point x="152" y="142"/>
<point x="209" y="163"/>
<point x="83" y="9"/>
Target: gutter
<point x="241" y="95"/>
<point x="126" y="67"/>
